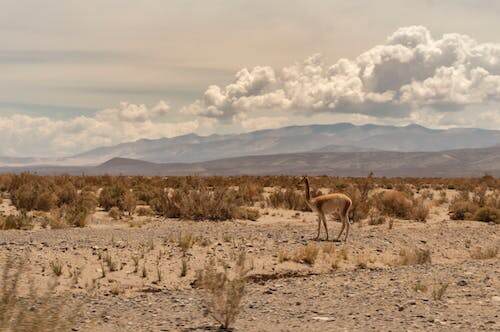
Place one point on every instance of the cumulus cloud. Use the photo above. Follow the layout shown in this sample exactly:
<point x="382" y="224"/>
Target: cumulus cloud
<point x="43" y="136"/>
<point x="413" y="77"/>
<point x="410" y="71"/>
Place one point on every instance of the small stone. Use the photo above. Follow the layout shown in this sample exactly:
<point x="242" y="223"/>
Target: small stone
<point x="495" y="298"/>
<point x="462" y="282"/>
<point x="323" y="319"/>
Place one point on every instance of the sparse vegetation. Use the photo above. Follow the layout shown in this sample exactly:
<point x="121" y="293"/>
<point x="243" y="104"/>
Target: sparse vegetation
<point x="484" y="252"/>
<point x="34" y="311"/>
<point x="414" y="256"/>
<point x="305" y="254"/>
<point x="288" y="199"/>
<point x="22" y="221"/>
<point x="225" y="289"/>
<point x="439" y="289"/>
<point x="56" y="267"/>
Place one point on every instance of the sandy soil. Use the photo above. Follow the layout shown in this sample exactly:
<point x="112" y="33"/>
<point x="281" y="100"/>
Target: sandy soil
<point x="365" y="292"/>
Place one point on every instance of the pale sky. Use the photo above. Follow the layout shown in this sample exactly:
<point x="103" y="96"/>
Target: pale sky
<point x="81" y="74"/>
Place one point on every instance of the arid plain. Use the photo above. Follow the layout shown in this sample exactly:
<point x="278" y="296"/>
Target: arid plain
<point x="129" y="254"/>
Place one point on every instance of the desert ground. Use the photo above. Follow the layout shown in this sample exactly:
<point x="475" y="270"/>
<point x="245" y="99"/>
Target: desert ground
<point x="141" y="273"/>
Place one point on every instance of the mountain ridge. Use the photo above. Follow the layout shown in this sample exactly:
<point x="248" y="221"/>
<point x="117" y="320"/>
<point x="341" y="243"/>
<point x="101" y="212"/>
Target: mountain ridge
<point x="294" y="139"/>
<point x="337" y="137"/>
<point x="452" y="163"/>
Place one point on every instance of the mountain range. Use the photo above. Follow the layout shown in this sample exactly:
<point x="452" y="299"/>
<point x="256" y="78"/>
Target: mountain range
<point x="340" y="137"/>
<point x="452" y="163"/>
<point x="338" y="149"/>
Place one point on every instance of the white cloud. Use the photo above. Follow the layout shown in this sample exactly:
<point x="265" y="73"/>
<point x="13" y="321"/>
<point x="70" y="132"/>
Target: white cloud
<point x="411" y="78"/>
<point x="410" y="72"/>
<point x="42" y="136"/>
<point x="261" y="122"/>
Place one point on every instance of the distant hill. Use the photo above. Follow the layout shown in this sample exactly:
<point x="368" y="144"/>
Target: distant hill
<point x="452" y="163"/>
<point x="340" y="137"/>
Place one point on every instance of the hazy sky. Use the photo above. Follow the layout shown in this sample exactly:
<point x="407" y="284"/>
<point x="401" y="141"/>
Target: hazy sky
<point x="80" y="74"/>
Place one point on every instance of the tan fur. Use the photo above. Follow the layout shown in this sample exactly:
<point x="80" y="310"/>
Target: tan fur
<point x="331" y="203"/>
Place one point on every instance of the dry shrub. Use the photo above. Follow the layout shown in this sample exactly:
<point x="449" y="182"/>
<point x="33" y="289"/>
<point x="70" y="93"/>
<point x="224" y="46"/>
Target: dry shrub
<point x="439" y="289"/>
<point x="360" y="203"/>
<point x="67" y="194"/>
<point x="362" y="260"/>
<point x="225" y="288"/>
<point x="488" y="214"/>
<point x="22" y="222"/>
<point x="288" y="199"/>
<point x="479" y="205"/>
<point x="305" y="254"/>
<point x="376" y="218"/>
<point x="427" y="194"/>
<point x="34" y="196"/>
<point x="442" y="198"/>
<point x="249" y="193"/>
<point x="78" y="214"/>
<point x="143" y="211"/>
<point x="32" y="312"/>
<point x="484" y="253"/>
<point x="394" y="203"/>
<point x="54" y="221"/>
<point x="115" y="213"/>
<point x="247" y="213"/>
<point x="334" y="256"/>
<point x="462" y="209"/>
<point x="420" y="287"/>
<point x="414" y="256"/>
<point x="186" y="241"/>
<point x="167" y="204"/>
<point x="420" y="211"/>
<point x="204" y="204"/>
<point x="128" y="202"/>
<point x="111" y="196"/>
<point x="398" y="204"/>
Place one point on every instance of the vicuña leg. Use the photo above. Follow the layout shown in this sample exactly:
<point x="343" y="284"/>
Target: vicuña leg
<point x="347" y="228"/>
<point x="341" y="230"/>
<point x="323" y="217"/>
<point x="319" y="227"/>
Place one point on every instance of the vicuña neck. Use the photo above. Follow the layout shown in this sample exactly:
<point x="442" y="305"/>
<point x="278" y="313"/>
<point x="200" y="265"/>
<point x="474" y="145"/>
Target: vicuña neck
<point x="308" y="193"/>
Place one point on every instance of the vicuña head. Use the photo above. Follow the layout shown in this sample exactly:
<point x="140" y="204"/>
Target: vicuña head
<point x="331" y="203"/>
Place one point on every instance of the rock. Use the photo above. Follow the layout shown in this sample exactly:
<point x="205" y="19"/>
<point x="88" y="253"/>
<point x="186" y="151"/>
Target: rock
<point x="323" y="319"/>
<point x="495" y="298"/>
<point x="462" y="282"/>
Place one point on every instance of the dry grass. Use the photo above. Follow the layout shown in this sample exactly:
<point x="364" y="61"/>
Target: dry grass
<point x="439" y="289"/>
<point x="394" y="203"/>
<point x="288" y="199"/>
<point x="32" y="311"/>
<point x="420" y="210"/>
<point x="414" y="256"/>
<point x="488" y="214"/>
<point x="420" y="287"/>
<point x="22" y="221"/>
<point x="184" y="267"/>
<point x="224" y="289"/>
<point x="143" y="211"/>
<point x="305" y="254"/>
<point x="376" y="218"/>
<point x="186" y="241"/>
<point x="484" y="253"/>
<point x="114" y="213"/>
<point x="56" y="267"/>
